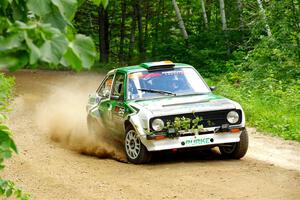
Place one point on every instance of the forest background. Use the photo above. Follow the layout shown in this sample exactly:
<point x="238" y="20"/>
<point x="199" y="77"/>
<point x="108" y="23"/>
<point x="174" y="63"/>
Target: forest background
<point x="249" y="49"/>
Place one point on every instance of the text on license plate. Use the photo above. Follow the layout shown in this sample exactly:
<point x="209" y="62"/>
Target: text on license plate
<point x="198" y="141"/>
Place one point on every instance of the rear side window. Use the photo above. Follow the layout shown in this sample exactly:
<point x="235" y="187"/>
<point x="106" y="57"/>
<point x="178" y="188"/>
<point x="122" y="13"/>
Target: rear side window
<point x="118" y="87"/>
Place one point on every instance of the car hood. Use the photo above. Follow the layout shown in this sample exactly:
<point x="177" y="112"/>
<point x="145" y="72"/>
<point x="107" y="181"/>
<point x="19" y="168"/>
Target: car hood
<point x="184" y="104"/>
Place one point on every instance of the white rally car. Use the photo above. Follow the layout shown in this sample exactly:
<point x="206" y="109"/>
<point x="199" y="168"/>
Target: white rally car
<point x="164" y="106"/>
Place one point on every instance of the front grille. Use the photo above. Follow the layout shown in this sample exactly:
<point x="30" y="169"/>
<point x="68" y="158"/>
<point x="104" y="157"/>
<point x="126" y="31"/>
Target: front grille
<point x="209" y="119"/>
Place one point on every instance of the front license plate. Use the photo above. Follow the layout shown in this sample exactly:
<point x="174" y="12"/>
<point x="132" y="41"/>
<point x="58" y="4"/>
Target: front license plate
<point x="199" y="141"/>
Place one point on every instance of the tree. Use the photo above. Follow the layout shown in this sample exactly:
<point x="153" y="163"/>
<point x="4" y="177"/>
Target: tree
<point x="223" y="17"/>
<point x="122" y="32"/>
<point x="263" y="13"/>
<point x="103" y="34"/>
<point x="138" y="15"/>
<point x="180" y="20"/>
<point x="204" y="13"/>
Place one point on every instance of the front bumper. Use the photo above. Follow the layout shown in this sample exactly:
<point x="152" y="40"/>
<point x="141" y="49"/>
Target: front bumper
<point x="212" y="136"/>
<point x="191" y="141"/>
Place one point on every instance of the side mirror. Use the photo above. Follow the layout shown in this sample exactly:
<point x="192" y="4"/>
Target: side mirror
<point x="213" y="88"/>
<point x="95" y="98"/>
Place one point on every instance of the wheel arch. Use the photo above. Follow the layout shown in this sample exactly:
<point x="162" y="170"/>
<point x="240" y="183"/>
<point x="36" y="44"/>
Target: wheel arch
<point x="127" y="124"/>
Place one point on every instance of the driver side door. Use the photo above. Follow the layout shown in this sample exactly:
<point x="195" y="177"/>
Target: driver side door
<point x="104" y="107"/>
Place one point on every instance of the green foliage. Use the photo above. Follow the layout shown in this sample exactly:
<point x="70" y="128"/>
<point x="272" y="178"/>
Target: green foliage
<point x="272" y="110"/>
<point x="264" y="73"/>
<point x="185" y="124"/>
<point x="104" y="3"/>
<point x="8" y="188"/>
<point x="7" y="145"/>
<point x="266" y="82"/>
<point x="80" y="52"/>
<point x="36" y="33"/>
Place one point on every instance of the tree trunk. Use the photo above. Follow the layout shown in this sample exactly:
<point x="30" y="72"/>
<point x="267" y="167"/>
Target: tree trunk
<point x="132" y="32"/>
<point x="295" y="10"/>
<point x="224" y="25"/>
<point x="263" y="12"/>
<point x="122" y="32"/>
<point x="157" y="28"/>
<point x="140" y="28"/>
<point x="204" y="13"/>
<point x="223" y="17"/>
<point x="103" y="34"/>
<point x="180" y="20"/>
<point x="146" y="24"/>
<point x="240" y="9"/>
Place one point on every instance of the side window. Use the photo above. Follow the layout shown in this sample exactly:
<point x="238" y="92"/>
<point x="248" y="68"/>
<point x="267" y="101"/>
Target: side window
<point x="118" y="87"/>
<point x="105" y="88"/>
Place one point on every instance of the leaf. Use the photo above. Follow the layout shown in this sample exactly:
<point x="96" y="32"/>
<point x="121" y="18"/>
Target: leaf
<point x="33" y="49"/>
<point x="6" y="154"/>
<point x="97" y="2"/>
<point x="2" y="117"/>
<point x="53" y="50"/>
<point x="39" y="7"/>
<point x="55" y="18"/>
<point x="19" y="10"/>
<point x="67" y="8"/>
<point x="10" y="42"/>
<point x="81" y="52"/>
<point x="4" y="24"/>
<point x="72" y="59"/>
<point x="13" y="146"/>
<point x="104" y="3"/>
<point x="9" y="192"/>
<point x="13" y="61"/>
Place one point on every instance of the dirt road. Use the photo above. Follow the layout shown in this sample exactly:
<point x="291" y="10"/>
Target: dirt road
<point x="49" y="170"/>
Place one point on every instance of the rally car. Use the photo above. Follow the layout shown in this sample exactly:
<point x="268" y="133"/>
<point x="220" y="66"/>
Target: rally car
<point x="165" y="106"/>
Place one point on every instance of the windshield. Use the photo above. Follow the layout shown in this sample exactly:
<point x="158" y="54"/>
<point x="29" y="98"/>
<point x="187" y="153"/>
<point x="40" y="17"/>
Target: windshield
<point x="175" y="82"/>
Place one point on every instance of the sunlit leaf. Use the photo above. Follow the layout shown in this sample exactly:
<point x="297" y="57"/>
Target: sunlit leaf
<point x="81" y="52"/>
<point x="67" y="8"/>
<point x="105" y="3"/>
<point x="55" y="18"/>
<point x="39" y="7"/>
<point x="53" y="50"/>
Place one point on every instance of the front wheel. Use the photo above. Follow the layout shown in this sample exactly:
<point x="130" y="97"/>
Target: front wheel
<point x="236" y="150"/>
<point x="136" y="152"/>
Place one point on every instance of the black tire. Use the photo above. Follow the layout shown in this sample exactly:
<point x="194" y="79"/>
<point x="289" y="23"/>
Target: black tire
<point x="237" y="150"/>
<point x="131" y="143"/>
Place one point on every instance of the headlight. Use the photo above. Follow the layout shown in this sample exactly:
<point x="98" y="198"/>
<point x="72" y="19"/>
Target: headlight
<point x="233" y="117"/>
<point x="158" y="124"/>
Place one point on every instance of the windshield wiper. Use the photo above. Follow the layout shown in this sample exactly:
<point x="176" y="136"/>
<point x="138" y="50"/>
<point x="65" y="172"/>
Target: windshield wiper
<point x="157" y="91"/>
<point x="192" y="94"/>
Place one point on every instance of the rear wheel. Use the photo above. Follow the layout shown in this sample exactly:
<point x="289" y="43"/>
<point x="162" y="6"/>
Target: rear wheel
<point x="236" y="150"/>
<point x="136" y="152"/>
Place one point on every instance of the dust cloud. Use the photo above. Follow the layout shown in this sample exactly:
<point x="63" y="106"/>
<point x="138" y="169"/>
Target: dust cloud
<point x="62" y="115"/>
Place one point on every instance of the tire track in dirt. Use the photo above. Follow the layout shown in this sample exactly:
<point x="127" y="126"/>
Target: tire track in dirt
<point x="47" y="170"/>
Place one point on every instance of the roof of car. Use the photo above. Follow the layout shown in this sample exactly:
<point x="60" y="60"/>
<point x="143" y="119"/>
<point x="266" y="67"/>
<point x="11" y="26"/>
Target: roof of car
<point x="143" y="67"/>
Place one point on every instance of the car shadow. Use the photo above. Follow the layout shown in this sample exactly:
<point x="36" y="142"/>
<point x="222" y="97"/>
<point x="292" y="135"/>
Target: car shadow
<point x="191" y="155"/>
